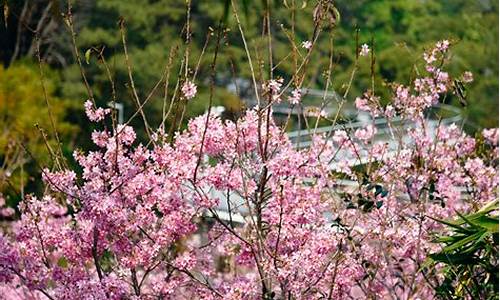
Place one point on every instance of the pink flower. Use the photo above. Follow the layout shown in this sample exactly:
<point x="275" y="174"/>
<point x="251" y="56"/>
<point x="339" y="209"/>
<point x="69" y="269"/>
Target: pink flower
<point x="321" y="113"/>
<point x="100" y="138"/>
<point x="185" y="261"/>
<point x="365" y="134"/>
<point x="369" y="103"/>
<point x="443" y="45"/>
<point x="340" y="137"/>
<point x="467" y="77"/>
<point x="365" y="50"/>
<point x="491" y="135"/>
<point x="429" y="59"/>
<point x="94" y="114"/>
<point x="126" y="134"/>
<point x="442" y="76"/>
<point x="389" y="111"/>
<point x="273" y="87"/>
<point x="295" y="97"/>
<point x="307" y="45"/>
<point x="189" y="89"/>
<point x="138" y="208"/>
<point x="7" y="212"/>
<point x="362" y="104"/>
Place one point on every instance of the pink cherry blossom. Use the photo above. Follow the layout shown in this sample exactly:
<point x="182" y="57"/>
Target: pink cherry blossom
<point x="232" y="210"/>
<point x="272" y="88"/>
<point x="491" y="135"/>
<point x="307" y="45"/>
<point x="189" y="90"/>
<point x="365" y="50"/>
<point x="442" y="45"/>
<point x="95" y="114"/>
<point x="467" y="77"/>
<point x="366" y="134"/>
<point x="295" y="97"/>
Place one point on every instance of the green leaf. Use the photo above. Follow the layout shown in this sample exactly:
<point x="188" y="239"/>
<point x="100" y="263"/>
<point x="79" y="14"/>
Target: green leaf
<point x="463" y="241"/>
<point x="87" y="56"/>
<point x="488" y="223"/>
<point x="453" y="259"/>
<point x="452" y="224"/>
<point x="62" y="262"/>
<point x="449" y="239"/>
<point x="476" y="245"/>
<point x="489" y="207"/>
<point x="466" y="219"/>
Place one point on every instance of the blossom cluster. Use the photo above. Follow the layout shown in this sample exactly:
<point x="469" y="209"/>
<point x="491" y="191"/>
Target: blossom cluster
<point x="95" y="114"/>
<point x="295" y="97"/>
<point x="426" y="91"/>
<point x="189" y="90"/>
<point x="365" y="49"/>
<point x="5" y="211"/>
<point x="147" y="222"/>
<point x="272" y="88"/>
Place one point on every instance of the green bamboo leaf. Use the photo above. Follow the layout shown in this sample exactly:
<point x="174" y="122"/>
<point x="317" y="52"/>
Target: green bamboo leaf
<point x="466" y="219"/>
<point x="449" y="239"/>
<point x="489" y="207"/>
<point x="488" y="223"/>
<point x="87" y="56"/>
<point x="452" y="224"/>
<point x="463" y="242"/>
<point x="62" y="262"/>
<point x="453" y="259"/>
<point x="476" y="245"/>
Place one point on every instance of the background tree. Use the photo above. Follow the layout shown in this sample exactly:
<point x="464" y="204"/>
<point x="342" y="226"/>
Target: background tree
<point x="27" y="140"/>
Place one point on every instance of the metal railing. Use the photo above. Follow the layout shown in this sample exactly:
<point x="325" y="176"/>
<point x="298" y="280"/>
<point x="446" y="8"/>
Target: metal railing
<point x="303" y="139"/>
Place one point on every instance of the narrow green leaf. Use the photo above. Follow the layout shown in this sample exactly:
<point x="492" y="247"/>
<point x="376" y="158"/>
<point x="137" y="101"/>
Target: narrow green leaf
<point x="451" y="224"/>
<point x="62" y="262"/>
<point x="87" y="56"/>
<point x="488" y="223"/>
<point x="453" y="259"/>
<point x="463" y="242"/>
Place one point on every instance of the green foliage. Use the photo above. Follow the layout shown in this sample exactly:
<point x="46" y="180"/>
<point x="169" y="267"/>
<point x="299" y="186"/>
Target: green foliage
<point x="469" y="255"/>
<point x="371" y="195"/>
<point x="22" y="106"/>
<point x="154" y="30"/>
<point x="399" y="29"/>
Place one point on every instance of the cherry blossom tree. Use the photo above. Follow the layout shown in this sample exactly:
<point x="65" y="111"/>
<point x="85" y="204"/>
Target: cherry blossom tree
<point x="144" y="220"/>
<point x="141" y="221"/>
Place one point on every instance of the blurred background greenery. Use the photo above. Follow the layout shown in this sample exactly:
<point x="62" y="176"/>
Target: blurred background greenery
<point x="400" y="31"/>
